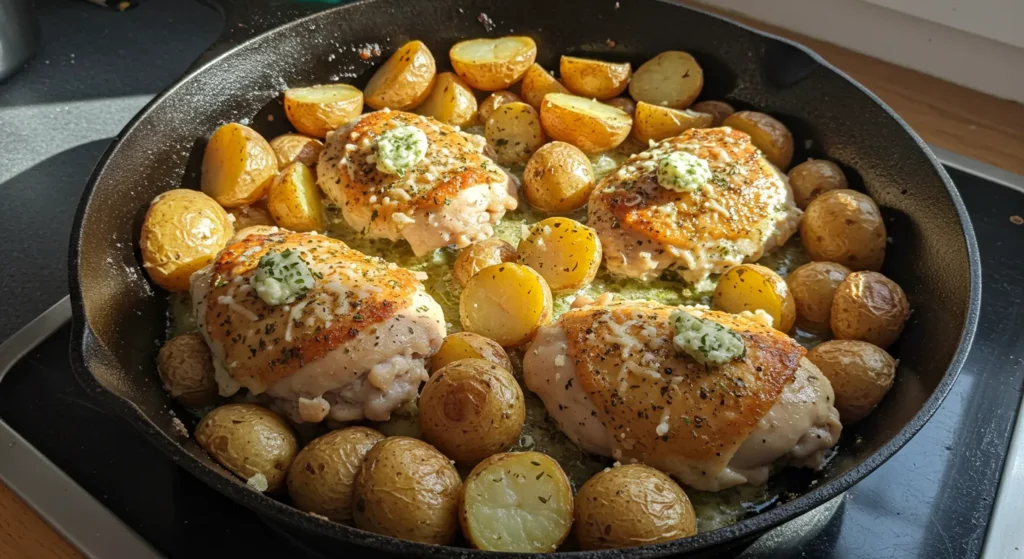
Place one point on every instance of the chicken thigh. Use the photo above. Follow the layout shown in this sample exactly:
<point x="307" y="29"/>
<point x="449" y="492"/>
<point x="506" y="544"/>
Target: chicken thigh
<point x="353" y="345"/>
<point x="615" y="384"/>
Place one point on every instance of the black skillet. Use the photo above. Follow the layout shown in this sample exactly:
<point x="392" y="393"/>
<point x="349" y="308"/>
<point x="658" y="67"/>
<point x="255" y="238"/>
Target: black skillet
<point x="119" y="316"/>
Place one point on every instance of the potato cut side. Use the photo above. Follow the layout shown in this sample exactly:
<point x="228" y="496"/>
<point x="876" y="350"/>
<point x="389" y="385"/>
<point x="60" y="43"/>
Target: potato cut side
<point x="566" y="252"/>
<point x="537" y="83"/>
<point x="752" y="287"/>
<point x="654" y="122"/>
<point x="320" y="109"/>
<point x="514" y="132"/>
<point x="506" y="303"/>
<point x="594" y="78"/>
<point x="467" y="345"/>
<point x="590" y="125"/>
<point x="451" y="101"/>
<point x="671" y="79"/>
<point x="493" y="64"/>
<point x="294" y="200"/>
<point x="404" y="80"/>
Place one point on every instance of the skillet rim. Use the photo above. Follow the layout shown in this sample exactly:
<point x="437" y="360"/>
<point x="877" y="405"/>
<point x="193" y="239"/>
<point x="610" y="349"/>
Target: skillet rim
<point x="85" y="348"/>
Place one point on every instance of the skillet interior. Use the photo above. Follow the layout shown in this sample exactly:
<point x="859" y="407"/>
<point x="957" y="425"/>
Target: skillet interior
<point x="119" y="315"/>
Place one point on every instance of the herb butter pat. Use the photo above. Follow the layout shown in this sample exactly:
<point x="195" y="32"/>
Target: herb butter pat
<point x="683" y="172"/>
<point x="281" y="277"/>
<point x="399" y="149"/>
<point x="706" y="341"/>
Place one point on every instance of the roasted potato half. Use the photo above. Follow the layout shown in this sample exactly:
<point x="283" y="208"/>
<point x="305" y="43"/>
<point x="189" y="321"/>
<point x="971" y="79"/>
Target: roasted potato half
<point x="408" y="490"/>
<point x="860" y="373"/>
<point x="451" y="101"/>
<point x="514" y="132"/>
<point x="589" y="125"/>
<point x="629" y="506"/>
<point x="719" y="110"/>
<point x="467" y="345"/>
<point x="558" y="178"/>
<point x="814" y="177"/>
<point x="493" y="64"/>
<point x="655" y="123"/>
<point x="320" y="109"/>
<point x="322" y="477"/>
<point x="814" y="286"/>
<point x="506" y="303"/>
<point x="294" y="200"/>
<point x="869" y="307"/>
<point x="238" y="166"/>
<point x="404" y="80"/>
<point x="596" y="79"/>
<point x="493" y="101"/>
<point x="767" y="134"/>
<point x="251" y="441"/>
<point x="670" y="79"/>
<point x="749" y="287"/>
<point x="537" y="83"/>
<point x="565" y="252"/>
<point x="845" y="226"/>
<point x="480" y="255"/>
<point x="182" y="232"/>
<point x="185" y="366"/>
<point x="517" y="501"/>
<point x="290" y="148"/>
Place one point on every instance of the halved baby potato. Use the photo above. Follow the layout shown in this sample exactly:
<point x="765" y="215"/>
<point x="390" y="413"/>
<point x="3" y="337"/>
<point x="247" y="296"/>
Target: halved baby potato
<point x="404" y="80"/>
<point x="594" y="78"/>
<point x="493" y="101"/>
<point x="585" y="123"/>
<point x="517" y="501"/>
<point x="480" y="255"/>
<point x="467" y="345"/>
<point x="320" y="109"/>
<point x="751" y="287"/>
<point x="719" y="110"/>
<point x="565" y="252"/>
<point x="654" y="122"/>
<point x="493" y="64"/>
<point x="506" y="303"/>
<point x="451" y="101"/>
<point x="537" y="83"/>
<point x="294" y="200"/>
<point x="238" y="166"/>
<point x="558" y="178"/>
<point x="290" y="148"/>
<point x="670" y="79"/>
<point x="514" y="131"/>
<point x="767" y="134"/>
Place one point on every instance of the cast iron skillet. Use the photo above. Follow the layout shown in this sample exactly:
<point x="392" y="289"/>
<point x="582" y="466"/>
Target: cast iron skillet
<point x="119" y="316"/>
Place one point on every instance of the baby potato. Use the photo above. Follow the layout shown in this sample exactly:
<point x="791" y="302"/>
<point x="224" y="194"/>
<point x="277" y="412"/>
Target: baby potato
<point x="404" y="422"/>
<point x="814" y="177"/>
<point x="630" y="506"/>
<point x="480" y="255"/>
<point x="252" y="442"/>
<point x="589" y="125"/>
<point x="514" y="131"/>
<point x="493" y="101"/>
<point x="565" y="252"/>
<point x="596" y="79"/>
<point x="182" y="232"/>
<point x="626" y="104"/>
<point x="517" y="501"/>
<point x="320" y="109"/>
<point x="238" y="166"/>
<point x="506" y="303"/>
<point x="654" y="122"/>
<point x="472" y="409"/>
<point x="670" y="79"/>
<point x="322" y="477"/>
<point x="251" y="216"/>
<point x="467" y="345"/>
<point x="493" y="64"/>
<point x="813" y="286"/>
<point x="860" y="373"/>
<point x="749" y="287"/>
<point x="845" y="226"/>
<point x="537" y="83"/>
<point x="404" y="80"/>
<point x="408" y="490"/>
<point x="767" y="134"/>
<point x="185" y="366"/>
<point x="451" y="101"/>
<point x="719" y="110"/>
<point x="290" y="148"/>
<point x="870" y="307"/>
<point x="294" y="200"/>
<point x="558" y="178"/>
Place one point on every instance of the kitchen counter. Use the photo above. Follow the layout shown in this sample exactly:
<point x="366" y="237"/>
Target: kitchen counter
<point x="106" y="65"/>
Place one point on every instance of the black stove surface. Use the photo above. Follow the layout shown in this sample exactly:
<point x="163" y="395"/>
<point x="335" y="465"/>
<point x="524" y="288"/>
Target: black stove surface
<point x="932" y="499"/>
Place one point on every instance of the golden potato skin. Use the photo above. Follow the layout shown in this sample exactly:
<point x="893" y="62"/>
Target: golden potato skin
<point x="408" y="490"/>
<point x="719" y="110"/>
<point x="320" y="109"/>
<point x="493" y="101"/>
<point x="506" y="303"/>
<point x="564" y="251"/>
<point x="558" y="178"/>
<point x="514" y="132"/>
<point x="814" y="177"/>
<point x="670" y="79"/>
<point x="845" y="226"/>
<point x="185" y="366"/>
<point x="537" y="83"/>
<point x="749" y="287"/>
<point x="290" y="148"/>
<point x="596" y="79"/>
<point x="404" y="80"/>
<point x="322" y="477"/>
<point x="625" y="104"/>
<point x="813" y="286"/>
<point x="472" y="409"/>
<point x="493" y="64"/>
<point x="767" y="134"/>
<point x="860" y="373"/>
<point x="182" y="232"/>
<point x="869" y="307"/>
<point x="247" y="440"/>
<point x="655" y="123"/>
<point x="589" y="125"/>
<point x="630" y="506"/>
<point x="238" y="165"/>
<point x="480" y="255"/>
<point x="295" y="201"/>
<point x="251" y="216"/>
<point x="467" y="345"/>
<point x="451" y="101"/>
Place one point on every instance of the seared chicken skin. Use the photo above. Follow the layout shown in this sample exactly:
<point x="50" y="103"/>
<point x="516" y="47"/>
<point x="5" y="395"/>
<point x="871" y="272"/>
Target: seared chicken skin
<point x="453" y="195"/>
<point x="353" y="346"/>
<point x="744" y="210"/>
<point x="616" y="385"/>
